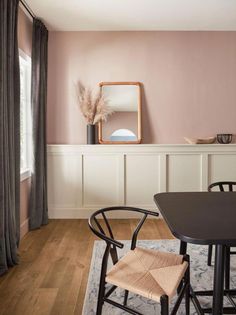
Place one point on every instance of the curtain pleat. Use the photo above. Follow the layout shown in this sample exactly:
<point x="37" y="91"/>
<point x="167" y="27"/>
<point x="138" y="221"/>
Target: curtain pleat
<point x="9" y="135"/>
<point x="38" y="196"/>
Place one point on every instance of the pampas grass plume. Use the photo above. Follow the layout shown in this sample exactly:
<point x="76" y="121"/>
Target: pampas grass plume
<point x="94" y="107"/>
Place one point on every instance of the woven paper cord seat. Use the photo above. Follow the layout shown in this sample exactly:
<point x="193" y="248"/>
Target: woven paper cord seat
<point x="149" y="273"/>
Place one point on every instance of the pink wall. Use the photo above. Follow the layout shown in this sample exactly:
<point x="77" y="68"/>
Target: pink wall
<point x="189" y="80"/>
<point x="24" y="206"/>
<point x="24" y="42"/>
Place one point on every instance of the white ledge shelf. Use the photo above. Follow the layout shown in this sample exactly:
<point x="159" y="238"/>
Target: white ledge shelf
<point x="57" y="148"/>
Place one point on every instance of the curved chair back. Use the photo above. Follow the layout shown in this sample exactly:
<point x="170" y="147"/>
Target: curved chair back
<point x="223" y="186"/>
<point x="108" y="236"/>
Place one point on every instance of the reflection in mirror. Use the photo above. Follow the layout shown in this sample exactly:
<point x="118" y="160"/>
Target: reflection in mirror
<point x="120" y="120"/>
<point x="124" y="125"/>
<point x="123" y="135"/>
<point x="121" y="98"/>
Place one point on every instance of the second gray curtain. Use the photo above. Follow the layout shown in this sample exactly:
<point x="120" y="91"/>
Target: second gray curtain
<point x="9" y="135"/>
<point x="38" y="197"/>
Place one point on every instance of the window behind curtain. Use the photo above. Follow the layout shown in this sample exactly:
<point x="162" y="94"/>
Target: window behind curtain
<point x="25" y="113"/>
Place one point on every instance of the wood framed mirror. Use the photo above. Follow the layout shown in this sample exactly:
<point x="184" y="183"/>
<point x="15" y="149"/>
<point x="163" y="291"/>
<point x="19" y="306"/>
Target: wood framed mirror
<point x="124" y="125"/>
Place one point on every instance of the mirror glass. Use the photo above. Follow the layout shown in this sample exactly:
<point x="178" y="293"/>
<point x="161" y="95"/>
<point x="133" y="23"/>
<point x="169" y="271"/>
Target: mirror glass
<point x="122" y="125"/>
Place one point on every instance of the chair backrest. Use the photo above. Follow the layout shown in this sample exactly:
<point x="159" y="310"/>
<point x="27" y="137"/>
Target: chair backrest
<point x="106" y="234"/>
<point x="223" y="186"/>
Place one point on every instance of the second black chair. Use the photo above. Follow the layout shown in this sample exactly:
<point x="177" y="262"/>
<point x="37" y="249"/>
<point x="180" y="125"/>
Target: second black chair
<point x="229" y="187"/>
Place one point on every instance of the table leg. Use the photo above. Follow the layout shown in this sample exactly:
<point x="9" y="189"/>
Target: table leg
<point x="183" y="248"/>
<point x="218" y="291"/>
<point x="227" y="267"/>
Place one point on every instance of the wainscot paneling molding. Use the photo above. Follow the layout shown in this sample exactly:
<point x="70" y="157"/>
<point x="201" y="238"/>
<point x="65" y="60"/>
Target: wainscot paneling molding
<point x="83" y="178"/>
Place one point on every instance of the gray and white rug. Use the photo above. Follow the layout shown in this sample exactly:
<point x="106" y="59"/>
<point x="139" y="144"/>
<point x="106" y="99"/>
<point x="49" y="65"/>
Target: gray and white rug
<point x="201" y="278"/>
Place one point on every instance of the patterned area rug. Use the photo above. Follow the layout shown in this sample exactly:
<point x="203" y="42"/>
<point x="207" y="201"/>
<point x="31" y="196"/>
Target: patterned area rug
<point x="201" y="278"/>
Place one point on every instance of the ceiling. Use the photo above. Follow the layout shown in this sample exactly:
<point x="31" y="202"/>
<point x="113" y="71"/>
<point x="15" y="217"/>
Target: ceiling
<point x="136" y="15"/>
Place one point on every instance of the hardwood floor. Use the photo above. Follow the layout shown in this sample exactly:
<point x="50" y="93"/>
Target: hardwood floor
<point x="54" y="265"/>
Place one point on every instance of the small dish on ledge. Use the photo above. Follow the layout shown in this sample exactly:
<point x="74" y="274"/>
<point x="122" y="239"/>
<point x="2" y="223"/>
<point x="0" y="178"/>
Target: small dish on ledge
<point x="208" y="140"/>
<point x="224" y="138"/>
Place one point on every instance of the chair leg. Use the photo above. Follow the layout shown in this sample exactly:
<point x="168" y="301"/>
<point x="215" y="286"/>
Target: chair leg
<point x="182" y="251"/>
<point x="209" y="255"/>
<point x="164" y="305"/>
<point x="187" y="300"/>
<point x="187" y="292"/>
<point x="187" y="281"/>
<point x="183" y="248"/>
<point x="101" y="294"/>
<point x="126" y="297"/>
<point x="227" y="268"/>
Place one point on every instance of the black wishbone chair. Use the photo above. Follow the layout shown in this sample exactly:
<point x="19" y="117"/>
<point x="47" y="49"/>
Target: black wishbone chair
<point x="229" y="187"/>
<point x="147" y="272"/>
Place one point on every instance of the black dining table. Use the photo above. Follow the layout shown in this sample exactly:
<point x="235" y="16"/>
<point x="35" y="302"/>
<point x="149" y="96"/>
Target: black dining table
<point x="204" y="218"/>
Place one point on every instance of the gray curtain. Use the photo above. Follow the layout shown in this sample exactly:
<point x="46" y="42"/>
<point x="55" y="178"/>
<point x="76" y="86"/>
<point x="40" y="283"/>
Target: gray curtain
<point x="38" y="197"/>
<point x="9" y="135"/>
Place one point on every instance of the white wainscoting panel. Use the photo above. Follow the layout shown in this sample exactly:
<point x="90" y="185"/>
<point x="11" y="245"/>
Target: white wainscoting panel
<point x="64" y="181"/>
<point x="142" y="178"/>
<point x="84" y="178"/>
<point x="184" y="172"/>
<point x="101" y="177"/>
<point x="222" y="167"/>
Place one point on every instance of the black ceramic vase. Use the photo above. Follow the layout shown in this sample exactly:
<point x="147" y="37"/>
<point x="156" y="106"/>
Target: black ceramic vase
<point x="91" y="134"/>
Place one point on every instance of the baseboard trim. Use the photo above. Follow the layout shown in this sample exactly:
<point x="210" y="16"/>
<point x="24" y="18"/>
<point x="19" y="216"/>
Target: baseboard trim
<point x="85" y="213"/>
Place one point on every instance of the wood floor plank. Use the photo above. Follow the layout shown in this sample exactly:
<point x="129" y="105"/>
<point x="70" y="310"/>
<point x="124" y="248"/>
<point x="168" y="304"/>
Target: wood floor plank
<point x="27" y="274"/>
<point x="163" y="229"/>
<point x="43" y="302"/>
<point x="52" y="276"/>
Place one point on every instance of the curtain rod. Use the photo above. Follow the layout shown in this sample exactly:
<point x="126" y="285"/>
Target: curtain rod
<point x="25" y="5"/>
